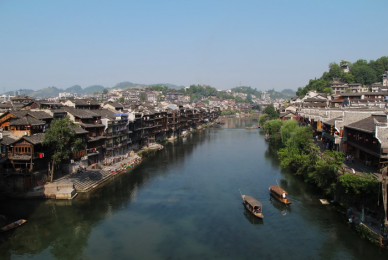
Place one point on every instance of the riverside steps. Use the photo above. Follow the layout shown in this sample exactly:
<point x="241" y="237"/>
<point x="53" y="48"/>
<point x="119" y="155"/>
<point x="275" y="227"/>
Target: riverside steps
<point x="68" y="186"/>
<point x="85" y="181"/>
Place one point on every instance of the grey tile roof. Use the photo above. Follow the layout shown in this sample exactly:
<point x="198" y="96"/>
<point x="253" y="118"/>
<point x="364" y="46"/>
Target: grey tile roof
<point x="80" y="130"/>
<point x="106" y="113"/>
<point x="28" y="121"/>
<point x="40" y="114"/>
<point x="368" y="124"/>
<point x="35" y="138"/>
<point x="91" y="125"/>
<point x="115" y="105"/>
<point x="332" y="121"/>
<point x="314" y="100"/>
<point x="81" y="113"/>
<point x="5" y="105"/>
<point x="85" y="102"/>
<point x="7" y="140"/>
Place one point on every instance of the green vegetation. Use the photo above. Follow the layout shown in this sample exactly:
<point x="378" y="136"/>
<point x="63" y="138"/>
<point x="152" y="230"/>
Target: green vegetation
<point x="163" y="89"/>
<point x="229" y="112"/>
<point x="247" y="90"/>
<point x="271" y="112"/>
<point x="299" y="153"/>
<point x="63" y="139"/>
<point x="262" y="119"/>
<point x="361" y="71"/>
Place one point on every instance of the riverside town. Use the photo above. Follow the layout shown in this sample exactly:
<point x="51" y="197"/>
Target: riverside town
<point x="72" y="148"/>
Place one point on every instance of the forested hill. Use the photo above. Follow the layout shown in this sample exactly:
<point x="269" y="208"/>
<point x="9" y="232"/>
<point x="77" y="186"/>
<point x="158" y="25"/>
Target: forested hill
<point x="195" y="91"/>
<point x="77" y="89"/>
<point x="286" y="93"/>
<point x="361" y="71"/>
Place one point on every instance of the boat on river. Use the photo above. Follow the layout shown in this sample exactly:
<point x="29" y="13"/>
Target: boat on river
<point x="253" y="205"/>
<point x="279" y="194"/>
<point x="13" y="225"/>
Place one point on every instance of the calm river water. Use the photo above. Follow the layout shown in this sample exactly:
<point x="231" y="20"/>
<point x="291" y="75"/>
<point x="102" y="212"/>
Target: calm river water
<point x="185" y="203"/>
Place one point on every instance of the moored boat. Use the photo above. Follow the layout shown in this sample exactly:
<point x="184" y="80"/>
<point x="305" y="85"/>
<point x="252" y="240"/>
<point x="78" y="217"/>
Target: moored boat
<point x="253" y="205"/>
<point x="279" y="194"/>
<point x="13" y="225"/>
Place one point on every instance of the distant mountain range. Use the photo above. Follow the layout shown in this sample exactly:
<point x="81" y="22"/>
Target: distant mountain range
<point x="54" y="92"/>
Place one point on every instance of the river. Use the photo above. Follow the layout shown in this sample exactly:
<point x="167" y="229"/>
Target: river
<point x="185" y="203"/>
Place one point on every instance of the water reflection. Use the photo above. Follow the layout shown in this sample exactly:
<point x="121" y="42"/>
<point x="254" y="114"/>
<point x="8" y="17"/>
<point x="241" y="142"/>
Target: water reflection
<point x="184" y="203"/>
<point x="252" y="219"/>
<point x="283" y="208"/>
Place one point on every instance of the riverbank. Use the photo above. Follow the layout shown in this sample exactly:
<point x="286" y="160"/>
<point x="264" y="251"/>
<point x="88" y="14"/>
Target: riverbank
<point x="85" y="180"/>
<point x="348" y="182"/>
<point x="367" y="222"/>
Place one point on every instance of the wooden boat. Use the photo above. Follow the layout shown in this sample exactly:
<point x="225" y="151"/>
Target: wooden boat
<point x="13" y="225"/>
<point x="279" y="194"/>
<point x="253" y="205"/>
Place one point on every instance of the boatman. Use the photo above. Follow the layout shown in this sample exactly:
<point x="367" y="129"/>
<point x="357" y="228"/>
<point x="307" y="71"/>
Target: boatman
<point x="284" y="195"/>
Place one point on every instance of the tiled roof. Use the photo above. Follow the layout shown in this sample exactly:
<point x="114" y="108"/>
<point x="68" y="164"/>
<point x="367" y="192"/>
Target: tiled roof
<point x="368" y="124"/>
<point x="27" y="120"/>
<point x="35" y="138"/>
<point x="40" y="114"/>
<point x="91" y="125"/>
<point x="114" y="104"/>
<point x="106" y="113"/>
<point x="315" y="100"/>
<point x="7" y="140"/>
<point x="81" y="113"/>
<point x="85" y="102"/>
<point x="6" y="105"/>
<point x="80" y="130"/>
<point x="332" y="121"/>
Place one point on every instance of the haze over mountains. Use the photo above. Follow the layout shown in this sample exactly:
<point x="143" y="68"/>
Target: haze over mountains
<point x="53" y="91"/>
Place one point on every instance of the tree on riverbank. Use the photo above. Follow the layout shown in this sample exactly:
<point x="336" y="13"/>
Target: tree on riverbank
<point x="62" y="137"/>
<point x="303" y="157"/>
<point x="355" y="189"/>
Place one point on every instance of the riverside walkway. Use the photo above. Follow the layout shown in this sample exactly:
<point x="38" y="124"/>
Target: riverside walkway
<point x="371" y="221"/>
<point x="67" y="186"/>
<point x="359" y="166"/>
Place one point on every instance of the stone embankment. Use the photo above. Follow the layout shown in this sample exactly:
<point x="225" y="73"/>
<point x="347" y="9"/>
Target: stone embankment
<point x="86" y="180"/>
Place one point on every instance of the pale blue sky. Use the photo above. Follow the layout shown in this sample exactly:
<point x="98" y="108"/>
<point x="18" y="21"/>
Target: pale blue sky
<point x="263" y="44"/>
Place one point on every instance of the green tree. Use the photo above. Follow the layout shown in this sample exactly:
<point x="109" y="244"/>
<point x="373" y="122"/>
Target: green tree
<point x="272" y="127"/>
<point x="357" y="189"/>
<point x="249" y="98"/>
<point x="271" y="112"/>
<point x="142" y="96"/>
<point x="61" y="136"/>
<point x="287" y="129"/>
<point x="363" y="73"/>
<point x="335" y="70"/>
<point x="121" y="100"/>
<point x="262" y="119"/>
<point x="324" y="170"/>
<point x="296" y="153"/>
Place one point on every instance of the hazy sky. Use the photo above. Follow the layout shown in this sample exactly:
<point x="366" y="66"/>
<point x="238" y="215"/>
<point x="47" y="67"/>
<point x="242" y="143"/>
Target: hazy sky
<point x="263" y="44"/>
